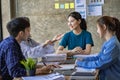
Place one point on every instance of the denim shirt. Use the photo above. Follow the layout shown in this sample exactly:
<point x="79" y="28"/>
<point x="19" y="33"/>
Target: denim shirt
<point x="108" y="60"/>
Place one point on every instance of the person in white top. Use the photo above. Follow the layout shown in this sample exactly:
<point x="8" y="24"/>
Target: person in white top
<point x="33" y="49"/>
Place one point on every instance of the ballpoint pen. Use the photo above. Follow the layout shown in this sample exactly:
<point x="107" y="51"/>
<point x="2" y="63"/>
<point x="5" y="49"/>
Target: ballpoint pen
<point x="75" y="63"/>
<point x="75" y="67"/>
<point x="44" y="63"/>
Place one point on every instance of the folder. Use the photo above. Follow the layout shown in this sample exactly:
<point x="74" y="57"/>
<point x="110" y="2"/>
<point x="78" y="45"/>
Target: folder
<point x="85" y="56"/>
<point x="54" y="57"/>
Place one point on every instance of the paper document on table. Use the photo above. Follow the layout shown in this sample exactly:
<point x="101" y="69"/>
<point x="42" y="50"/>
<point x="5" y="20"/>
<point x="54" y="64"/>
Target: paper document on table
<point x="84" y="73"/>
<point x="53" y="76"/>
<point x="65" y="67"/>
<point x="85" y="56"/>
<point x="54" y="57"/>
<point x="86" y="70"/>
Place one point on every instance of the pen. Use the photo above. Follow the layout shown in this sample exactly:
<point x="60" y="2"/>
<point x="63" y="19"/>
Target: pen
<point x="74" y="58"/>
<point x="44" y="63"/>
<point x="75" y="67"/>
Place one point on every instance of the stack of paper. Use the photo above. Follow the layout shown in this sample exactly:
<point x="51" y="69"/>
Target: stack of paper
<point x="48" y="63"/>
<point x="80" y="69"/>
<point x="54" y="57"/>
<point x="84" y="74"/>
<point x="85" y="56"/>
<point x="53" y="76"/>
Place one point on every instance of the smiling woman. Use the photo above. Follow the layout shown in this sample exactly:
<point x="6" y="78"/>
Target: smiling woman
<point x="108" y="58"/>
<point x="78" y="40"/>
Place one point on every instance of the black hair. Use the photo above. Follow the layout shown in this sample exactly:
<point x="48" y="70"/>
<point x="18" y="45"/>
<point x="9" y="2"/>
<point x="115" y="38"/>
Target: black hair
<point x="26" y="18"/>
<point x="117" y="23"/>
<point x="77" y="16"/>
<point x="112" y="24"/>
<point x="16" y="25"/>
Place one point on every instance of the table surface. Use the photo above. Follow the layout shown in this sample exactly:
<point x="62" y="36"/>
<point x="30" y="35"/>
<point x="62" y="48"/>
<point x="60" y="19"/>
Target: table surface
<point x="66" y="77"/>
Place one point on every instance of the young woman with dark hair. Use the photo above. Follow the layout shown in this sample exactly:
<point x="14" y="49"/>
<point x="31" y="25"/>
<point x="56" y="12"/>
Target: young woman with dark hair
<point x="78" y="40"/>
<point x="108" y="59"/>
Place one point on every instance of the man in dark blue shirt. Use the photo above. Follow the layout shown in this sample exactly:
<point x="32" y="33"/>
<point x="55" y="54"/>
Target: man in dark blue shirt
<point x="10" y="51"/>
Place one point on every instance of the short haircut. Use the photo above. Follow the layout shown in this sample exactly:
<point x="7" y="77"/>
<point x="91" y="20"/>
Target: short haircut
<point x="16" y="25"/>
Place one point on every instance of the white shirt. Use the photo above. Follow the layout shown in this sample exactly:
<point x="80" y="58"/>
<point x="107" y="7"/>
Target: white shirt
<point x="33" y="49"/>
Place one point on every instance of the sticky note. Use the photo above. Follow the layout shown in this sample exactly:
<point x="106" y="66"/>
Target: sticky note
<point x="62" y="6"/>
<point x="66" y="5"/>
<point x="56" y="5"/>
<point x="71" y="5"/>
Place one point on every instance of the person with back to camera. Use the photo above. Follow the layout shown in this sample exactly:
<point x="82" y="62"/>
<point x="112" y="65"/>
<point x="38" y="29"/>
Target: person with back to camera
<point x="33" y="49"/>
<point x="78" y="40"/>
<point x="108" y="59"/>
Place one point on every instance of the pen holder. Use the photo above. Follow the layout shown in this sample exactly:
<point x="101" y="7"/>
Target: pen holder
<point x="31" y="72"/>
<point x="30" y="66"/>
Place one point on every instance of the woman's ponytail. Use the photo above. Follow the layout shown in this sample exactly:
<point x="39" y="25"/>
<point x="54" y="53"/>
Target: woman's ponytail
<point x="117" y="24"/>
<point x="83" y="24"/>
